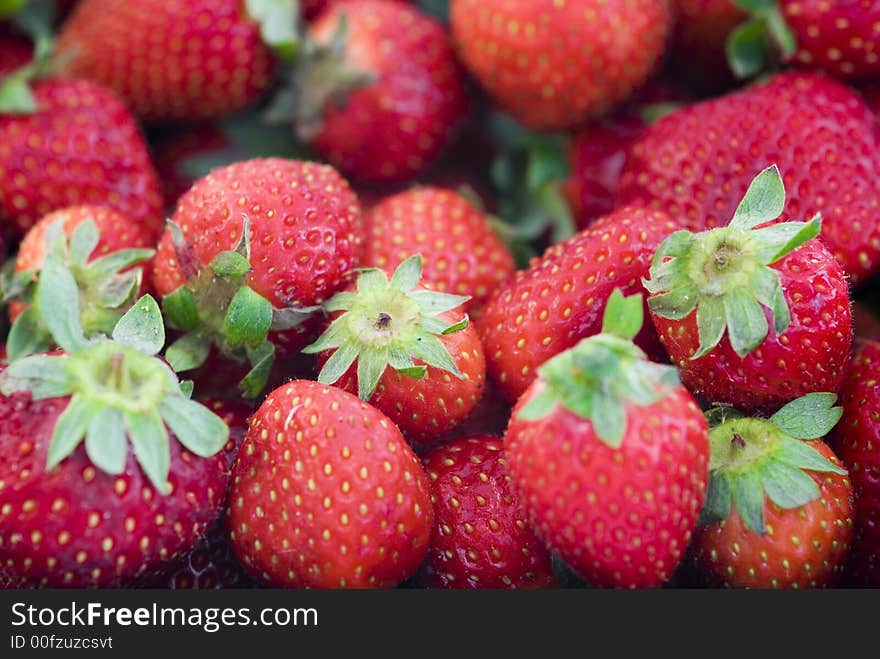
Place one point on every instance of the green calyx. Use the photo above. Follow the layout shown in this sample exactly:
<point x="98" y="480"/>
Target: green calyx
<point x="725" y="273"/>
<point x="279" y="25"/>
<point x="754" y="459"/>
<point x="388" y="323"/>
<point x="104" y="287"/>
<point x="604" y="374"/>
<point x="763" y="40"/>
<point x="120" y="393"/>
<point x="216" y="307"/>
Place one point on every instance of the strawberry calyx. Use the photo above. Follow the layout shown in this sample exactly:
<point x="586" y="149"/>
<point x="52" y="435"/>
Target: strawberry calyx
<point x="762" y="41"/>
<point x="216" y="307"/>
<point x="35" y="19"/>
<point x="388" y="323"/>
<point x="279" y="25"/>
<point x="106" y="287"/>
<point x="603" y="374"/>
<point x="753" y="459"/>
<point x="725" y="273"/>
<point x="120" y="391"/>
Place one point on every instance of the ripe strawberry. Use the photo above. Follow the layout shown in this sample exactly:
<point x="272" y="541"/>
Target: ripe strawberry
<point x="80" y="146"/>
<point x="559" y="300"/>
<point x="481" y="538"/>
<point x="77" y="514"/>
<point x="460" y="251"/>
<point x="779" y="510"/>
<point x="171" y="59"/>
<point x="380" y="91"/>
<point x="406" y="349"/>
<point x="228" y="286"/>
<point x="857" y="441"/>
<point x="556" y="64"/>
<point x="696" y="163"/>
<point x="327" y="494"/>
<point x="702" y="28"/>
<point x="107" y="255"/>
<point x="714" y="293"/>
<point x="610" y="456"/>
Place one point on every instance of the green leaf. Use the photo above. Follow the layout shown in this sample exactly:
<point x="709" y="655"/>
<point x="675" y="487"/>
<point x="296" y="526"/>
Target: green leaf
<point x="747" y="49"/>
<point x="780" y="32"/>
<point x="290" y="317"/>
<point x="16" y="96"/>
<point x="455" y="327"/>
<point x="609" y="417"/>
<point x="746" y="324"/>
<point x="371" y="364"/>
<point x="230" y="264"/>
<point x="188" y="352"/>
<point x="186" y="388"/>
<point x="778" y="240"/>
<point x="371" y="280"/>
<point x="398" y="358"/>
<point x="141" y="327"/>
<point x="106" y="444"/>
<point x="118" y="290"/>
<point x="248" y="317"/>
<point x="261" y="357"/>
<point x="338" y="363"/>
<point x="181" y="310"/>
<point x="57" y="291"/>
<point x="333" y="337"/>
<point x="768" y="291"/>
<point x="279" y="25"/>
<point x="408" y="274"/>
<point x="195" y="426"/>
<point x="716" y="507"/>
<point x="83" y="242"/>
<point x="106" y="266"/>
<point x="431" y="350"/>
<point x="748" y="497"/>
<point x="623" y="316"/>
<point x="43" y="375"/>
<point x="809" y="417"/>
<point x="676" y="304"/>
<point x="433" y="303"/>
<point x="70" y="429"/>
<point x="786" y="486"/>
<point x="763" y="201"/>
<point x="711" y="323"/>
<point x="149" y="439"/>
<point x="539" y="406"/>
<point x="340" y="302"/>
<point x="802" y="455"/>
<point x="27" y="335"/>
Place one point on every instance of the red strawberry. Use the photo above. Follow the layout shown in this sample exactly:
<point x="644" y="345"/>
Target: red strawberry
<point x="779" y="509"/>
<point x="327" y="494"/>
<point x="80" y="146"/>
<point x="461" y="253"/>
<point x="702" y="29"/>
<point x="15" y="52"/>
<point x="610" y="456"/>
<point x="696" y="163"/>
<point x="406" y="349"/>
<point x="77" y="514"/>
<point x="304" y="238"/>
<point x="556" y="64"/>
<point x="170" y="59"/>
<point x="380" y="93"/>
<point x="714" y="294"/>
<point x="857" y="440"/>
<point x="481" y="538"/>
<point x="559" y="300"/>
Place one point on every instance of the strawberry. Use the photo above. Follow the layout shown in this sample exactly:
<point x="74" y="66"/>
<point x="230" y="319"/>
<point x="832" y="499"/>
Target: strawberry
<point x="79" y="145"/>
<point x="461" y="253"/>
<point x="88" y="513"/>
<point x="554" y="65"/>
<point x="713" y="294"/>
<point x="174" y="59"/>
<point x="15" y="51"/>
<point x="857" y="440"/>
<point x="254" y="247"/>
<point x="702" y="28"/>
<point x="481" y="538"/>
<point x="779" y="511"/>
<point x="106" y="254"/>
<point x="327" y="494"/>
<point x="610" y="456"/>
<point x="379" y="89"/>
<point x="560" y="298"/>
<point x="406" y="349"/>
<point x="696" y="163"/>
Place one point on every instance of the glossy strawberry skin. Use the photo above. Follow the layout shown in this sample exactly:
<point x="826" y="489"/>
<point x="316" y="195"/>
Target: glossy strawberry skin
<point x="838" y="37"/>
<point x="554" y="65"/>
<point x="82" y="146"/>
<point x="857" y="440"/>
<point x="306" y="234"/>
<point x="428" y="408"/>
<point x="327" y="494"/>
<point x="811" y="355"/>
<point x="622" y="517"/>
<point x="697" y="163"/>
<point x="481" y="536"/>
<point x="461" y="253"/>
<point x="805" y="547"/>
<point x="170" y="59"/>
<point x="78" y="527"/>
<point x="391" y="129"/>
<point x="560" y="298"/>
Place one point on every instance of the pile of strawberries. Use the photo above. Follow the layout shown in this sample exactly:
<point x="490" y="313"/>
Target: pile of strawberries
<point x="466" y="294"/>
